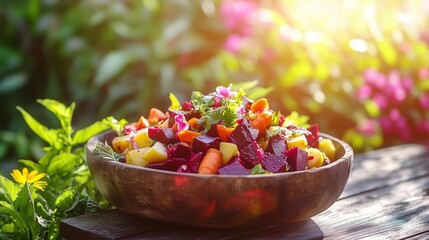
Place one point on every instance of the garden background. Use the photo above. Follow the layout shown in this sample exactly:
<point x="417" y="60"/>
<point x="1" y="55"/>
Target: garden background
<point x="360" y="69"/>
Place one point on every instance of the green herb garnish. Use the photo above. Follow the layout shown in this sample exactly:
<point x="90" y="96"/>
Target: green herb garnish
<point x="105" y="151"/>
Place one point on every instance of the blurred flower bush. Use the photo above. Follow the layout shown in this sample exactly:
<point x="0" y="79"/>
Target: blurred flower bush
<point x="358" y="68"/>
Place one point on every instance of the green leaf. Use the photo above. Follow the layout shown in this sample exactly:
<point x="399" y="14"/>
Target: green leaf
<point x="63" y="164"/>
<point x="6" y="204"/>
<point x="85" y="134"/>
<point x="296" y="119"/>
<point x="175" y="104"/>
<point x="115" y="125"/>
<point x="48" y="135"/>
<point x="63" y="113"/>
<point x="32" y="165"/>
<point x="66" y="200"/>
<point x="10" y="188"/>
<point x="24" y="203"/>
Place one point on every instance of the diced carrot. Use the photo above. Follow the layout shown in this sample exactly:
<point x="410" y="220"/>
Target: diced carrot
<point x="155" y="115"/>
<point x="193" y="123"/>
<point x="224" y="132"/>
<point x="262" y="121"/>
<point x="142" y="123"/>
<point x="260" y="105"/>
<point x="210" y="162"/>
<point x="187" y="135"/>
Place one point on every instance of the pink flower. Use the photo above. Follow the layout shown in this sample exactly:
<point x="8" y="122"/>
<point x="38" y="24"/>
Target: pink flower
<point x="224" y="92"/>
<point x="237" y="14"/>
<point x="181" y="122"/>
<point x="234" y="43"/>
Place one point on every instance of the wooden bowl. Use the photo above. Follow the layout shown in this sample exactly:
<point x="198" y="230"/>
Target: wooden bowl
<point x="219" y="201"/>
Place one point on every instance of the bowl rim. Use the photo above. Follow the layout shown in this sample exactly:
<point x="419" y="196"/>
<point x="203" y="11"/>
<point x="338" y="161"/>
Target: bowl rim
<point x="348" y="154"/>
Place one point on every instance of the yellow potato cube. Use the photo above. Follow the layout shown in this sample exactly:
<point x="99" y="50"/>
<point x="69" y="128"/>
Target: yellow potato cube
<point x="299" y="141"/>
<point x="121" y="144"/>
<point x="228" y="150"/>
<point x="315" y="156"/>
<point x="328" y="147"/>
<point x="135" y="157"/>
<point x="142" y="139"/>
<point x="156" y="153"/>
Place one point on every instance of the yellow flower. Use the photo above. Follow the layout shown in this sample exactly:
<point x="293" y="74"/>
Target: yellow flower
<point x="32" y="178"/>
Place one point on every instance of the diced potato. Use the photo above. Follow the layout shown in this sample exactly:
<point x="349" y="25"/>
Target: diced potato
<point x="316" y="157"/>
<point x="135" y="157"/>
<point x="328" y="147"/>
<point x="142" y="139"/>
<point x="228" y="150"/>
<point x="121" y="144"/>
<point x="299" y="142"/>
<point x="157" y="153"/>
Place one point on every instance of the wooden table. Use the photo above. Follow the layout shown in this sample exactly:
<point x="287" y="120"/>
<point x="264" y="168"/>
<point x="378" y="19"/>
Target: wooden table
<point x="387" y="197"/>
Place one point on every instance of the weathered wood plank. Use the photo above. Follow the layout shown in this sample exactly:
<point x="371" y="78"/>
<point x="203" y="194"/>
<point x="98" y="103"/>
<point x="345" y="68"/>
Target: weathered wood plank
<point x="112" y="224"/>
<point x="386" y="167"/>
<point x="393" y="212"/>
<point x="115" y="224"/>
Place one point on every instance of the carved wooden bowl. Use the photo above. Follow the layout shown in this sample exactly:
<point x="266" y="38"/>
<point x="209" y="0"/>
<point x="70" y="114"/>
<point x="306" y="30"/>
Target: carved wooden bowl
<point x="220" y="201"/>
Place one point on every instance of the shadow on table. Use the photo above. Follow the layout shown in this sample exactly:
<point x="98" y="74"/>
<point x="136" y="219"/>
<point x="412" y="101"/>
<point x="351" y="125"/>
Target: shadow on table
<point x="114" y="224"/>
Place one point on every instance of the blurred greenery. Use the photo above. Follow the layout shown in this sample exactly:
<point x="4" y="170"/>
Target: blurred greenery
<point x="121" y="58"/>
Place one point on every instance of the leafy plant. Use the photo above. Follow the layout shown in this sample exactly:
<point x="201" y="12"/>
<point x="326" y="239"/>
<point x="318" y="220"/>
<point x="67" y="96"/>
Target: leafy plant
<point x="27" y="212"/>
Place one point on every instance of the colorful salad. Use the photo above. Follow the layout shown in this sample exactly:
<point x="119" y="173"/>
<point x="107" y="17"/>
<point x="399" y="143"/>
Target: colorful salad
<point x="223" y="132"/>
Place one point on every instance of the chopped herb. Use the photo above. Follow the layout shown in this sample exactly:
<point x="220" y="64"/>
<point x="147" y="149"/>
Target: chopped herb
<point x="105" y="151"/>
<point x="258" y="169"/>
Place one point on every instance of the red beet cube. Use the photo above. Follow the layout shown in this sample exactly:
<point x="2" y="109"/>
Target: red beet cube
<point x="242" y="135"/>
<point x="168" y="165"/>
<point x="313" y="136"/>
<point x="251" y="154"/>
<point x="163" y="135"/>
<point x="194" y="162"/>
<point x="179" y="150"/>
<point x="297" y="159"/>
<point x="274" y="163"/>
<point x="277" y="145"/>
<point x="204" y="142"/>
<point x="234" y="167"/>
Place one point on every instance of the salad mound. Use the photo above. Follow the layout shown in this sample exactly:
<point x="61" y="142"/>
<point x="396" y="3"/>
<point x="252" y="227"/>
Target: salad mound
<point x="223" y="132"/>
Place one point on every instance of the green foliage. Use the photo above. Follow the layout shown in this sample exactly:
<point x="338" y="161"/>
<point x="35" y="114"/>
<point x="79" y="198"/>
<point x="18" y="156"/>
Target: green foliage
<point x="31" y="214"/>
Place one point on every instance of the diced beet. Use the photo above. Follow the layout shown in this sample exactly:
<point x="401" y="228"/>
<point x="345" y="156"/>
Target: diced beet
<point x="213" y="131"/>
<point x="277" y="145"/>
<point x="234" y="167"/>
<point x="297" y="159"/>
<point x="242" y="135"/>
<point x="274" y="163"/>
<point x="180" y="150"/>
<point x="251" y="155"/>
<point x="194" y="162"/>
<point x="170" y="165"/>
<point x="313" y="136"/>
<point x="187" y="106"/>
<point x="204" y="142"/>
<point x="163" y="135"/>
